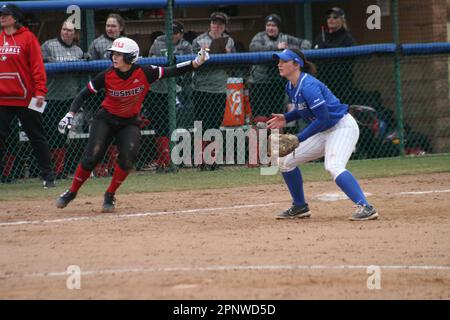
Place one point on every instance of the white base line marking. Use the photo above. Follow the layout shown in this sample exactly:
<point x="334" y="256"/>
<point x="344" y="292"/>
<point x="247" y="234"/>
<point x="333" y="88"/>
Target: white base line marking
<point x="136" y="215"/>
<point x="423" y="192"/>
<point x="225" y="268"/>
<point x="162" y="213"/>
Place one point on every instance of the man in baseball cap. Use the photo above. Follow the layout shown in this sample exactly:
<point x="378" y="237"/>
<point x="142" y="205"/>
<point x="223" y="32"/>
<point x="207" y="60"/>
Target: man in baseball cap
<point x="177" y="27"/>
<point x="273" y="18"/>
<point x="219" y="16"/>
<point x="10" y="9"/>
<point x="266" y="91"/>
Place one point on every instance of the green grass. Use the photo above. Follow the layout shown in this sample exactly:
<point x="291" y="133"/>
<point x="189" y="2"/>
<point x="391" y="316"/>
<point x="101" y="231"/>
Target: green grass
<point x="229" y="177"/>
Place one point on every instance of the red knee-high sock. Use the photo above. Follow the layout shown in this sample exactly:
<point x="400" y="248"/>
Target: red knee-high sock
<point x="118" y="177"/>
<point x="163" y="150"/>
<point x="81" y="175"/>
<point x="58" y="157"/>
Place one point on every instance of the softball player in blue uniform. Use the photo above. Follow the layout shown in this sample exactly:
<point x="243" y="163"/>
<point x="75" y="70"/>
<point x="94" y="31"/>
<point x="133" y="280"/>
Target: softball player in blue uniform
<point x="332" y="132"/>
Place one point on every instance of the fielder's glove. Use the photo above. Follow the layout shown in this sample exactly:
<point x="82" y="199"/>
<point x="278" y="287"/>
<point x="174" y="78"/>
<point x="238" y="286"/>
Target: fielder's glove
<point x="202" y="56"/>
<point x="282" y="144"/>
<point x="66" y="123"/>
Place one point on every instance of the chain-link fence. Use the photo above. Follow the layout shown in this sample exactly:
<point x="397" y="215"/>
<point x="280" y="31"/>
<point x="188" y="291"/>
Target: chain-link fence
<point x="400" y="99"/>
<point x="367" y="83"/>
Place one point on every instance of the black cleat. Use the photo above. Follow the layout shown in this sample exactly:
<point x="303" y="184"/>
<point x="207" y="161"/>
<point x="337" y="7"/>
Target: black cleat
<point x="109" y="202"/>
<point x="65" y="199"/>
<point x="295" y="212"/>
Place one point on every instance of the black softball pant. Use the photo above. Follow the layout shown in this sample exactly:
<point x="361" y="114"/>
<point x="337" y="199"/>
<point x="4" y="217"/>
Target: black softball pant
<point x="32" y="124"/>
<point x="104" y="128"/>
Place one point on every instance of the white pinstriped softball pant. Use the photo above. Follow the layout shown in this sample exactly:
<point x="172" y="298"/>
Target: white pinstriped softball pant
<point x="335" y="144"/>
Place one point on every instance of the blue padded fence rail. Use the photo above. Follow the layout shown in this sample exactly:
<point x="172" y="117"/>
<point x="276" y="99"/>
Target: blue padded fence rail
<point x="232" y="58"/>
<point x="425" y="48"/>
<point x="198" y="3"/>
<point x="48" y="5"/>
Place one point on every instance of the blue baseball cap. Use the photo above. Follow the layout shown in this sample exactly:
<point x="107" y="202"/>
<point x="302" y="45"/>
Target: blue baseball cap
<point x="288" y="55"/>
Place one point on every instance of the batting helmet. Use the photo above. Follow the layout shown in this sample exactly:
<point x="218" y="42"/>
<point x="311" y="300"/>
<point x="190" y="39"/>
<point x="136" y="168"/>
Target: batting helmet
<point x="128" y="47"/>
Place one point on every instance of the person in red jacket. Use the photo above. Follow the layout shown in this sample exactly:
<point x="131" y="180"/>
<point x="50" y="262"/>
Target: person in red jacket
<point x="22" y="77"/>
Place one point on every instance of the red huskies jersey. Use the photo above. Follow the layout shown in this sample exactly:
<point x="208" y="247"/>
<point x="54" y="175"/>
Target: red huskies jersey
<point x="125" y="91"/>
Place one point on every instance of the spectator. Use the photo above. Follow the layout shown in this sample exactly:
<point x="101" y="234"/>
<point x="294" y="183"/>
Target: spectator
<point x="180" y="46"/>
<point x="114" y="28"/>
<point x="61" y="89"/>
<point x="267" y="88"/>
<point x="210" y="85"/>
<point x="338" y="34"/>
<point x="157" y="96"/>
<point x="62" y="48"/>
<point x="23" y="77"/>
<point x="190" y="36"/>
<point x="337" y="75"/>
<point x="154" y="35"/>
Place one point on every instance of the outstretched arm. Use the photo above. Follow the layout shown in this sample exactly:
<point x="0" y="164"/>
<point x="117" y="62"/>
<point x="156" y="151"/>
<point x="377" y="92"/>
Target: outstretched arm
<point x="154" y="73"/>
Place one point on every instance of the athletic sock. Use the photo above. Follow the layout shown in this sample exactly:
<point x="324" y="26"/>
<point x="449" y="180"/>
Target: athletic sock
<point x="347" y="182"/>
<point x="81" y="175"/>
<point x="118" y="177"/>
<point x="294" y="183"/>
<point x="163" y="151"/>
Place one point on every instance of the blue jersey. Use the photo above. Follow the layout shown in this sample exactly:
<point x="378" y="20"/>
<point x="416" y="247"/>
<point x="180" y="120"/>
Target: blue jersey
<point x="314" y="103"/>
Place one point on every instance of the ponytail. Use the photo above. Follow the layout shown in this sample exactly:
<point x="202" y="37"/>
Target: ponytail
<point x="308" y="67"/>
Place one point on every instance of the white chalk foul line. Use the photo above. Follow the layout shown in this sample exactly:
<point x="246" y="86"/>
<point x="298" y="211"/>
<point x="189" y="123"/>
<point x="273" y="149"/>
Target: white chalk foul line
<point x="161" y="213"/>
<point x="136" y="215"/>
<point x="336" y="196"/>
<point x="423" y="192"/>
<point x="225" y="268"/>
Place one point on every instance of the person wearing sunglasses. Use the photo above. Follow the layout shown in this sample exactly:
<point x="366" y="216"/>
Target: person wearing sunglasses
<point x="336" y="34"/>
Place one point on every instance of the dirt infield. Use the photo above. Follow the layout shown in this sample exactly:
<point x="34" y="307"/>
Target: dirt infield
<point x="226" y="244"/>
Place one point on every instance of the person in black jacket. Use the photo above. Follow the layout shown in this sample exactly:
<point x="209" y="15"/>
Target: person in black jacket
<point x="337" y="74"/>
<point x="337" y="34"/>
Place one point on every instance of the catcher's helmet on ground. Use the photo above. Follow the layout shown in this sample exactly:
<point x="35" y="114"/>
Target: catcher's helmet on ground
<point x="128" y="47"/>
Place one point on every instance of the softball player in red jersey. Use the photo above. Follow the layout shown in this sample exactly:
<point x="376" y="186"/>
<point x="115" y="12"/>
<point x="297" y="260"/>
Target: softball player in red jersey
<point x="331" y="133"/>
<point x="126" y="85"/>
